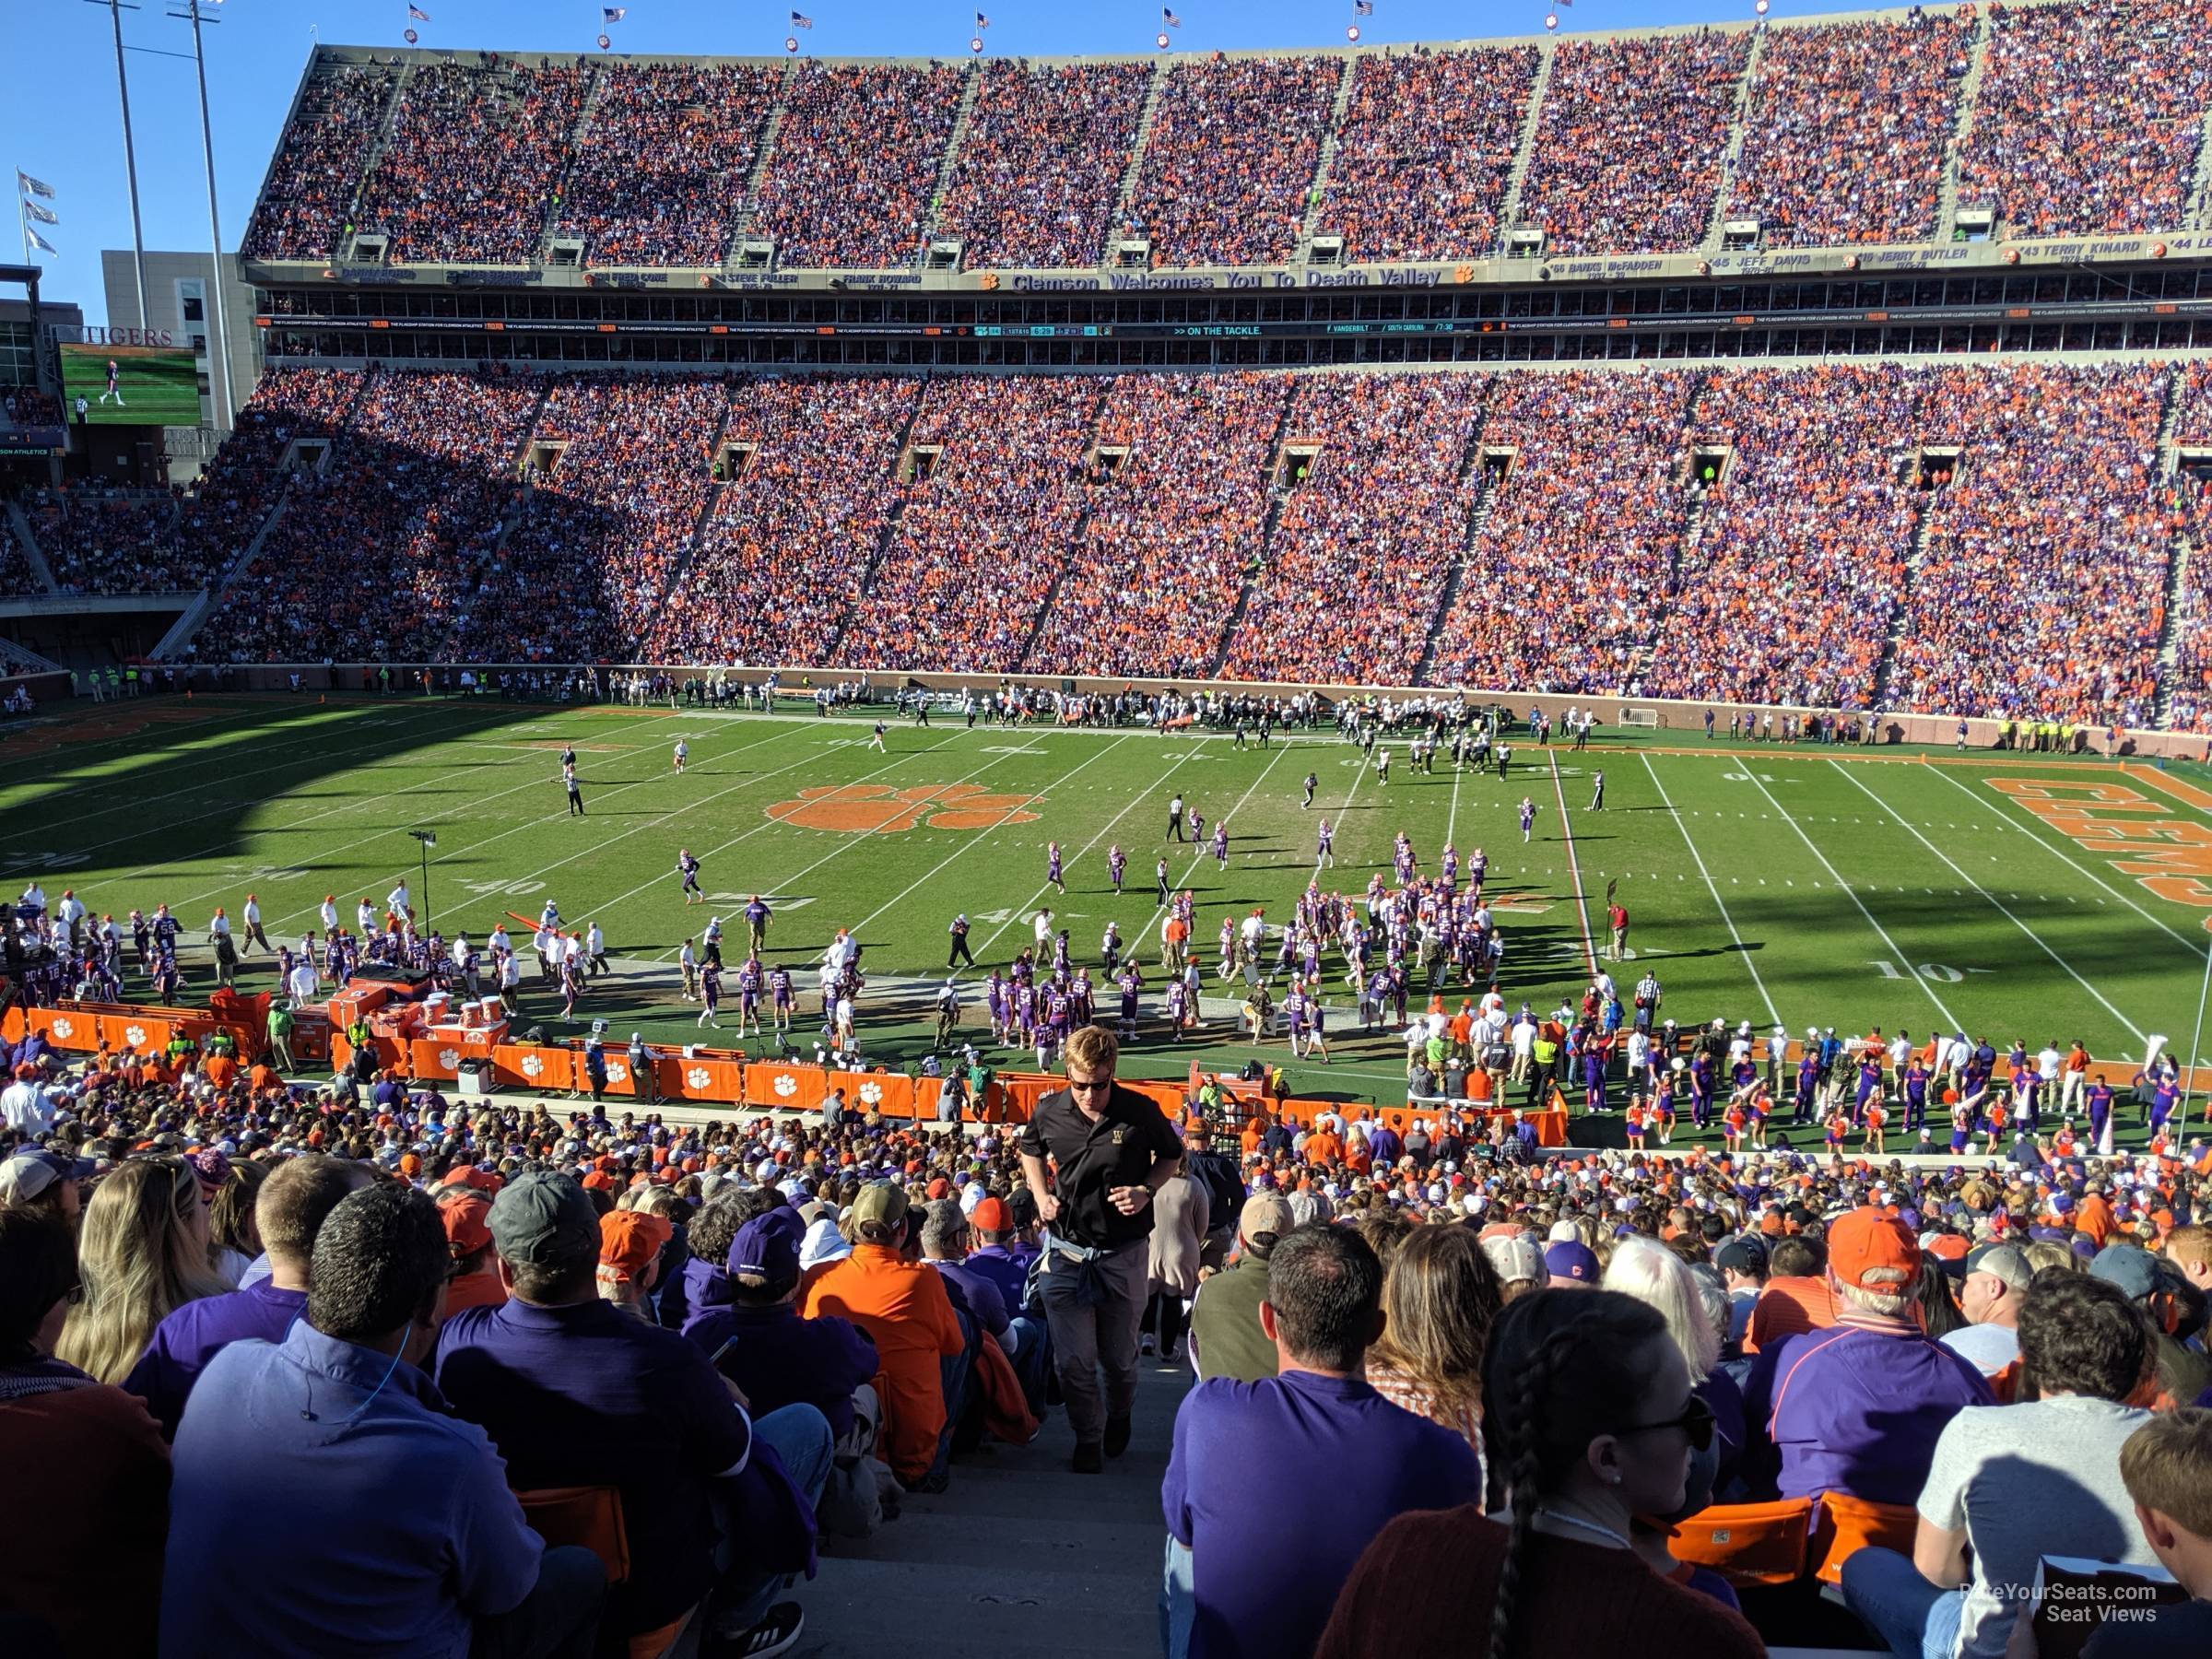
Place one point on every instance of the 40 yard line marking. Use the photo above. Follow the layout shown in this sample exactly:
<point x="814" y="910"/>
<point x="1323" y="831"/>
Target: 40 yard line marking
<point x="1574" y="872"/>
<point x="2102" y="1000"/>
<point x="1699" y="859"/>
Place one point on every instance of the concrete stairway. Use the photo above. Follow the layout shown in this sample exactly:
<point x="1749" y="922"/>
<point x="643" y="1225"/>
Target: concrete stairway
<point x="1524" y="148"/>
<point x="1019" y="1556"/>
<point x="33" y="555"/>
<point x="1947" y="200"/>
<point x="1126" y="193"/>
<point x="1738" y="130"/>
<point x="1331" y="142"/>
<point x="971" y="89"/>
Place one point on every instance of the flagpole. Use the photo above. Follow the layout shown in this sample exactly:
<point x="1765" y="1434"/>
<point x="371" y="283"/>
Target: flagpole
<point x="227" y="415"/>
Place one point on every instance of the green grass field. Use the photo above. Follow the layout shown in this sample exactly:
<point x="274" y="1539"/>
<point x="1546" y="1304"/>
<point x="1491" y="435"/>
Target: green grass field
<point x="158" y="386"/>
<point x="1798" y="885"/>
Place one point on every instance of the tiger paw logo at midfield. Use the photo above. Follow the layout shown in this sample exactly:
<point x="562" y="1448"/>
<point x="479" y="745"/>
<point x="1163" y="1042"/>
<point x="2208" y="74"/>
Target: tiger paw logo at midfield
<point x="879" y="809"/>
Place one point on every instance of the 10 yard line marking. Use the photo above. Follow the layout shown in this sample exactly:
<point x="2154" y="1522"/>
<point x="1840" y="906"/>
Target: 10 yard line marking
<point x="1880" y="931"/>
<point x="1699" y="859"/>
<point x="1931" y="846"/>
<point x="1574" y="872"/>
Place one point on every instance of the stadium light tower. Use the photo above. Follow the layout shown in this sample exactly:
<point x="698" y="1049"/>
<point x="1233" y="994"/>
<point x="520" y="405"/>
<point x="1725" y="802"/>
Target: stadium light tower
<point x="227" y="411"/>
<point x="130" y="156"/>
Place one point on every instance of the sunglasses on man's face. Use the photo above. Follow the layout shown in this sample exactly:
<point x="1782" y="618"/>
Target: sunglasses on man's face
<point x="1696" y="1423"/>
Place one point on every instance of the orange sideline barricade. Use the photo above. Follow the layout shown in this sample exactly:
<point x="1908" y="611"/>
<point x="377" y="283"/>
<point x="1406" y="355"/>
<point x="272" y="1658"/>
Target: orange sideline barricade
<point x="1748" y="1543"/>
<point x="128" y="1034"/>
<point x="434" y="1057"/>
<point x="525" y="1065"/>
<point x="776" y="1084"/>
<point x="707" y="1078"/>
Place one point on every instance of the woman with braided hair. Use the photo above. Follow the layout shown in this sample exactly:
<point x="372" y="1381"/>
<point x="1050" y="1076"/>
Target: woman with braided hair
<point x="1589" y="1421"/>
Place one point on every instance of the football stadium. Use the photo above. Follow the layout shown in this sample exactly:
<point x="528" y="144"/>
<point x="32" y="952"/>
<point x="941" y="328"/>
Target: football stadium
<point x="812" y="807"/>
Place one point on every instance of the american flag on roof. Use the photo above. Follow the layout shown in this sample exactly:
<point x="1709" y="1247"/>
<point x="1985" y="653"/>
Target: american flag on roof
<point x="613" y="14"/>
<point x="416" y="13"/>
<point x="1363" y="8"/>
<point x="797" y="21"/>
<point x="981" y="21"/>
<point x="37" y="187"/>
<point x="1169" y="18"/>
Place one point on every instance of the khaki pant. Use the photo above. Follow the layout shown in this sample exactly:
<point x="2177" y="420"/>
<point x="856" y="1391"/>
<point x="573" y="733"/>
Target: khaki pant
<point x="1097" y="1336"/>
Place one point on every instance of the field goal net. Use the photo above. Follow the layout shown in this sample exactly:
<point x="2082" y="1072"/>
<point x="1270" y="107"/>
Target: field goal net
<point x="1639" y="717"/>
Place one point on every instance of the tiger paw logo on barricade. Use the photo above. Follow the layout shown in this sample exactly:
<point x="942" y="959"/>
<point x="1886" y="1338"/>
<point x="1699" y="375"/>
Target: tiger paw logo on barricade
<point x="879" y="809"/>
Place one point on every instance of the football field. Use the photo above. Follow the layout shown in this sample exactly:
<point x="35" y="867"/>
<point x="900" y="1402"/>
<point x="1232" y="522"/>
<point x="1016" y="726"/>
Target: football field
<point x="2004" y="896"/>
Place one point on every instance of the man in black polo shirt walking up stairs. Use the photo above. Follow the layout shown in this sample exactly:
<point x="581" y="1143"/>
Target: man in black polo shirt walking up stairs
<point x="1111" y="1149"/>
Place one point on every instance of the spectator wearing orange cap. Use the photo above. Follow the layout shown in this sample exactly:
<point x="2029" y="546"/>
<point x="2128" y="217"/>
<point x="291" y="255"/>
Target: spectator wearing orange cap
<point x="1858" y="1408"/>
<point x="629" y="1258"/>
<point x="466" y="1214"/>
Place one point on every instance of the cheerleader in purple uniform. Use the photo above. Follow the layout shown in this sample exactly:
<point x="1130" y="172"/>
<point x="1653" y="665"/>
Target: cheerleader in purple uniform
<point x="1051" y="867"/>
<point x="1117" y="865"/>
<point x="1324" y="840"/>
<point x="1221" y="844"/>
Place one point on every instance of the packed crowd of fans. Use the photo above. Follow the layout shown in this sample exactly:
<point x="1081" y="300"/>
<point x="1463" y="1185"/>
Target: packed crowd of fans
<point x="1174" y="528"/>
<point x="473" y="163"/>
<point x="1035" y="178"/>
<point x="103" y="541"/>
<point x="661" y="175"/>
<point x="856" y="162"/>
<point x="2192" y="672"/>
<point x="1565" y="581"/>
<point x="1787" y="593"/>
<point x="2042" y="589"/>
<point x="1424" y="152"/>
<point x="1848" y="129"/>
<point x="582" y="573"/>
<point x="982" y="539"/>
<point x="1226" y="173"/>
<point x="320" y="158"/>
<point x="377" y="558"/>
<point x="251" y="1295"/>
<point x="1629" y="142"/>
<point x="788" y="543"/>
<point x="2090" y="117"/>
<point x="1367" y="532"/>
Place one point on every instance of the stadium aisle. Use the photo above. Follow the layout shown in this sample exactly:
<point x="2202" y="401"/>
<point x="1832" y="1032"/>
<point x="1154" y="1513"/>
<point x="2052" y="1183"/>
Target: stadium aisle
<point x="1021" y="1553"/>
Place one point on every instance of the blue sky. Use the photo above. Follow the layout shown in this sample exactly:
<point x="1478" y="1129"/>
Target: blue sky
<point x="60" y="122"/>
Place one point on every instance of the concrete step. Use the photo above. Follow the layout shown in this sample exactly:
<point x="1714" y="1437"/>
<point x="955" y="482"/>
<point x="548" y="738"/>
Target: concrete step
<point x="1019" y="1554"/>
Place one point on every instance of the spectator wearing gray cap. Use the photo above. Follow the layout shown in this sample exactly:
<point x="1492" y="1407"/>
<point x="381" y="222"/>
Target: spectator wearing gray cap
<point x="1226" y="1338"/>
<point x="576" y="1392"/>
<point x="2183" y="1374"/>
<point x="46" y="1180"/>
<point x="1996" y="1278"/>
<point x="388" y="1519"/>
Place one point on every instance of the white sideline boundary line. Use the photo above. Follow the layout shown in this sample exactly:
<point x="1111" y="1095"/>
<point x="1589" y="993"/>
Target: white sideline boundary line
<point x="1881" y="933"/>
<point x="1719" y="903"/>
<point x="1574" y="873"/>
<point x="2102" y="1000"/>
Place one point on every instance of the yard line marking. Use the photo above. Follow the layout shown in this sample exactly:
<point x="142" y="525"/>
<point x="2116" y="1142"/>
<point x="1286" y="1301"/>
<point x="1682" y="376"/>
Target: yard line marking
<point x="272" y="881"/>
<point x="973" y="840"/>
<point x="1199" y="858"/>
<point x="2102" y="1000"/>
<point x="1451" y="819"/>
<point x="1574" y="872"/>
<point x="1880" y="931"/>
<point x="1699" y="859"/>
<point x="549" y="817"/>
<point x="847" y="841"/>
<point x="2004" y="822"/>
<point x="1134" y="801"/>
